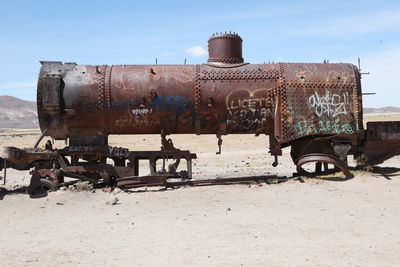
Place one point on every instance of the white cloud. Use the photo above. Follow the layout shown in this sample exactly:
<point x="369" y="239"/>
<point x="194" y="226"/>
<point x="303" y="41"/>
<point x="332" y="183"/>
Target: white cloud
<point x="362" y="24"/>
<point x="18" y="85"/>
<point x="196" y="51"/>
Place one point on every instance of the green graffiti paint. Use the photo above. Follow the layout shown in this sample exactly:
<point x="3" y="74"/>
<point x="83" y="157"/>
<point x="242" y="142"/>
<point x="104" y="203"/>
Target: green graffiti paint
<point x="323" y="127"/>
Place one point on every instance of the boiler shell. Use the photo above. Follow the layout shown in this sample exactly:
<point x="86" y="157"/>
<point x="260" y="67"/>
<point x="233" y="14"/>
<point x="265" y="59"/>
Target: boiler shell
<point x="286" y="100"/>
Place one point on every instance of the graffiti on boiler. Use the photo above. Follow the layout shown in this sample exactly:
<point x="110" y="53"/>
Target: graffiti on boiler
<point x="329" y="104"/>
<point x="248" y="109"/>
<point x="323" y="127"/>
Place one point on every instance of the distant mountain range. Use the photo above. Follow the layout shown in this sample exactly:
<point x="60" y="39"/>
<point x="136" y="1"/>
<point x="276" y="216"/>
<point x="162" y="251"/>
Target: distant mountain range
<point x="382" y="110"/>
<point x="17" y="113"/>
<point x="21" y="114"/>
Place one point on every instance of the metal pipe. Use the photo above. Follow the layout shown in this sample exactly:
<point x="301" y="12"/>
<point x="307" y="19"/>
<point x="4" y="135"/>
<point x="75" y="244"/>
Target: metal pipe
<point x="43" y="134"/>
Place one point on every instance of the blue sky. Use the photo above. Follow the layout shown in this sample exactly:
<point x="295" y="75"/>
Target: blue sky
<point x="137" y="32"/>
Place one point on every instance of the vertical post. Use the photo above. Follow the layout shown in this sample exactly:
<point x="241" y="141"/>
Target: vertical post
<point x="189" y="166"/>
<point x="5" y="172"/>
<point x="152" y="161"/>
<point x="136" y="167"/>
<point x="318" y="167"/>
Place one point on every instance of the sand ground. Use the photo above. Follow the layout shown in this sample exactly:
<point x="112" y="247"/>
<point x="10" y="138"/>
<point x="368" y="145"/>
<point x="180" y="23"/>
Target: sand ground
<point x="327" y="221"/>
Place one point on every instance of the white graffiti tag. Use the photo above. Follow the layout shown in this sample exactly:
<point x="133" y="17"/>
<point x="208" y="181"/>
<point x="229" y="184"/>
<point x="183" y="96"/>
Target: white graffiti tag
<point x="141" y="113"/>
<point x="138" y="112"/>
<point x="331" y="104"/>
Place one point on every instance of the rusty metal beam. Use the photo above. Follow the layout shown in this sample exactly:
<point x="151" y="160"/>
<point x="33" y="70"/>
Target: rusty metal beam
<point x="134" y="181"/>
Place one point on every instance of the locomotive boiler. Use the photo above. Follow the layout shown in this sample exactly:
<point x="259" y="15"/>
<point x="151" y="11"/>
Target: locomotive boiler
<point x="316" y="108"/>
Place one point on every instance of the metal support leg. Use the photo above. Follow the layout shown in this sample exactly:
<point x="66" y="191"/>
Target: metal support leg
<point x="5" y="172"/>
<point x="275" y="163"/>
<point x="136" y="167"/>
<point x="219" y="143"/>
<point x="153" y="170"/>
<point x="318" y="167"/>
<point x="189" y="167"/>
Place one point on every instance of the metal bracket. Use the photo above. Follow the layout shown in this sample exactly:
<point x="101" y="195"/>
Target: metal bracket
<point x="166" y="144"/>
<point x="274" y="149"/>
<point x="219" y="143"/>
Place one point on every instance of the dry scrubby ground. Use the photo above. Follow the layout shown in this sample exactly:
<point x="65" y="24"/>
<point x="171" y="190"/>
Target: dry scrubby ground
<point x="327" y="221"/>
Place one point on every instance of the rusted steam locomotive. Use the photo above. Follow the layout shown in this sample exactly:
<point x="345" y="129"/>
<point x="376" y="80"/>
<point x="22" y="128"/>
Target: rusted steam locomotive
<point x="316" y="108"/>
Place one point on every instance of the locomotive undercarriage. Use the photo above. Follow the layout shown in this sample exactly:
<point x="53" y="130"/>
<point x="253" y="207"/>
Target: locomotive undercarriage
<point x="109" y="166"/>
<point x="96" y="165"/>
<point x="51" y="167"/>
<point x="115" y="166"/>
<point x="379" y="142"/>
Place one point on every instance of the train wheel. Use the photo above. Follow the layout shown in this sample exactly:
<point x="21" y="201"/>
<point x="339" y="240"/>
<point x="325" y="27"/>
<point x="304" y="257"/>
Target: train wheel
<point x="42" y="181"/>
<point x="41" y="186"/>
<point x="319" y="159"/>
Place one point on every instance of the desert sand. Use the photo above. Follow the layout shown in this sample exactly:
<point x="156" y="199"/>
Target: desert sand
<point x="326" y="221"/>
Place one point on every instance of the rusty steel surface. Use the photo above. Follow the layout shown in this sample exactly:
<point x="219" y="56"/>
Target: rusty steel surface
<point x="383" y="131"/>
<point x="225" y="48"/>
<point x="316" y="108"/>
<point x="319" y="158"/>
<point x="382" y="142"/>
<point x="321" y="99"/>
<point x="289" y="100"/>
